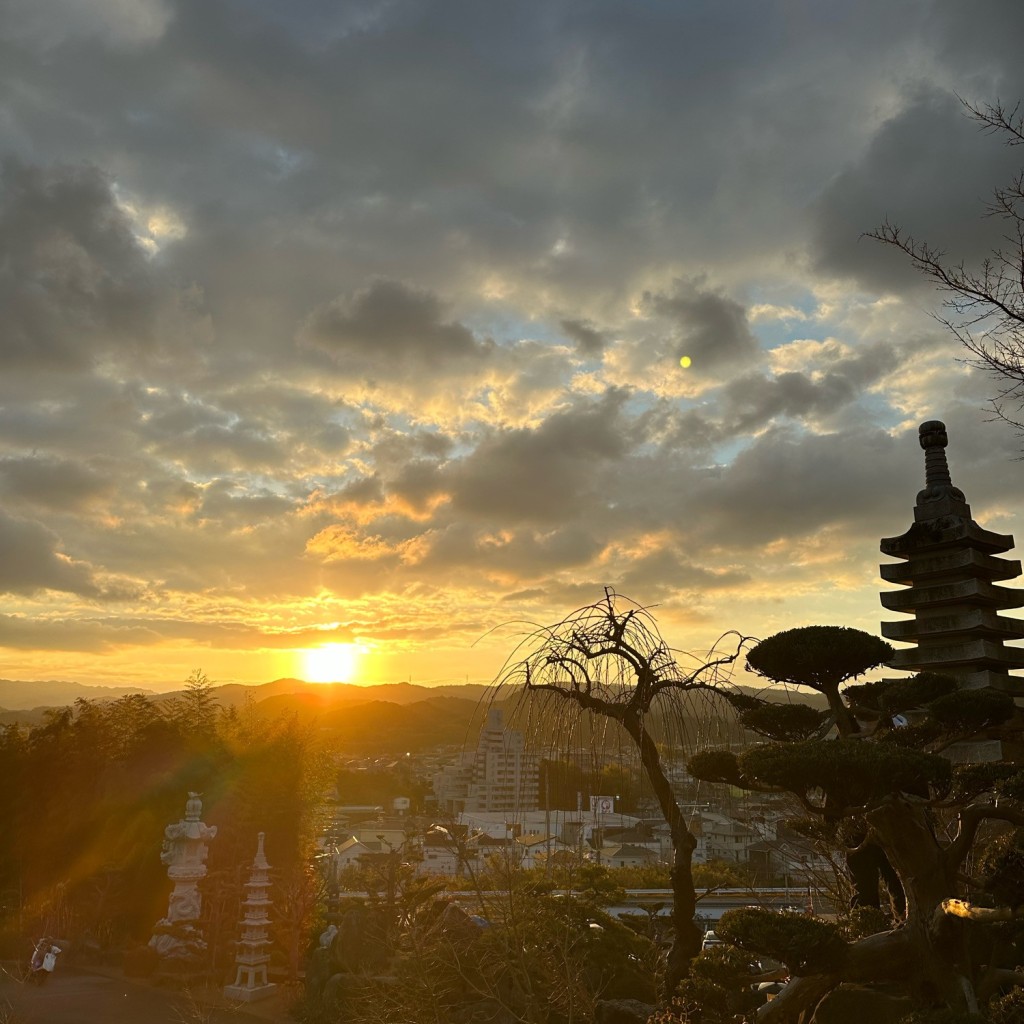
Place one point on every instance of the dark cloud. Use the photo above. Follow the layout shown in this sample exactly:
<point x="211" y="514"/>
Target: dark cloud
<point x="664" y="572"/>
<point x="390" y="329"/>
<point x="73" y="280"/>
<point x="87" y="635"/>
<point x="587" y="339"/>
<point x="704" y="324"/>
<point x="788" y="485"/>
<point x="544" y="474"/>
<point x="53" y="482"/>
<point x="928" y="169"/>
<point x="754" y="400"/>
<point x="523" y="554"/>
<point x="225" y="502"/>
<point x="30" y="561"/>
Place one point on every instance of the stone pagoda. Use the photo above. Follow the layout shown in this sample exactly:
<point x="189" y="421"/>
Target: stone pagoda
<point x="177" y="938"/>
<point x="253" y="954"/>
<point x="948" y="571"/>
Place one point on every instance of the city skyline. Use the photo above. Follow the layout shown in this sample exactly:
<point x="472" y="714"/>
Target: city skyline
<point x="345" y="341"/>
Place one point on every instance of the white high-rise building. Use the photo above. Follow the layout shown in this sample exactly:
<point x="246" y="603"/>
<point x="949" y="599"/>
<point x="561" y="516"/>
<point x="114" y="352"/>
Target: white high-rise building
<point x="499" y="776"/>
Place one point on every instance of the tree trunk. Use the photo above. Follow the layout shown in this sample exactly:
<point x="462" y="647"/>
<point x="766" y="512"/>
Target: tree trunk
<point x="938" y="942"/>
<point x="686" y="938"/>
<point x="887" y="956"/>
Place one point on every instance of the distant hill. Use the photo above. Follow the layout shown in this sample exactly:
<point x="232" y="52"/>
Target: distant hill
<point x="382" y="727"/>
<point x="331" y="694"/>
<point x="388" y="718"/>
<point x="16" y="695"/>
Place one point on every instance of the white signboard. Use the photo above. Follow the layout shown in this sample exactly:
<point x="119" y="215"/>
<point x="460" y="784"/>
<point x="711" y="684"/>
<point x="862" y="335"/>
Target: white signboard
<point x="602" y="804"/>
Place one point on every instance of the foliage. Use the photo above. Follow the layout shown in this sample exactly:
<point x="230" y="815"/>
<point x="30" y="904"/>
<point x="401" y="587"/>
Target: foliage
<point x="969" y="711"/>
<point x="971" y="780"/>
<point x="859" y="922"/>
<point x="701" y="1010"/>
<point x="531" y="955"/>
<point x="1001" y="868"/>
<point x="881" y="797"/>
<point x="821" y="657"/>
<point x="943" y="1016"/>
<point x="563" y="782"/>
<point x="1008" y="1009"/>
<point x="715" y="766"/>
<point x="803" y="944"/>
<point x="784" y="721"/>
<point x="850" y="773"/>
<point x="381" y="786"/>
<point x="88" y="793"/>
<point x="719" y="988"/>
<point x="894" y="696"/>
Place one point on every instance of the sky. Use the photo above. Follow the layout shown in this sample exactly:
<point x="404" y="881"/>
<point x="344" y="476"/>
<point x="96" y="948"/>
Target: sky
<point x="343" y="340"/>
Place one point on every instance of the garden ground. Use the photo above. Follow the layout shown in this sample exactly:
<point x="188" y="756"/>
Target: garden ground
<point x="75" y="995"/>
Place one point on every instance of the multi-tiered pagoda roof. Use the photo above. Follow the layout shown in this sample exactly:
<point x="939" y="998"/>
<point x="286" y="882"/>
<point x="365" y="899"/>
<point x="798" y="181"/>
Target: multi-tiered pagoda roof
<point x="949" y="569"/>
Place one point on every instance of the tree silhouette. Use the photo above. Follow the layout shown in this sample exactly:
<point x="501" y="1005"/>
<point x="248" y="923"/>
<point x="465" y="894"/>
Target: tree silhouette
<point x="952" y="939"/>
<point x="608" y="661"/>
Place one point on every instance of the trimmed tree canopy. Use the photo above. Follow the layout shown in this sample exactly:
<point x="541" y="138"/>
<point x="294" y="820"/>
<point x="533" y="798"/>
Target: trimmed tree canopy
<point x="803" y="944"/>
<point x="820" y="657"/>
<point x="849" y="772"/>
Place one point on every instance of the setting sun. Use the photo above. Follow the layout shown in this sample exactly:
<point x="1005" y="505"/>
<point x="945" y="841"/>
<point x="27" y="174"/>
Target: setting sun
<point x="330" y="663"/>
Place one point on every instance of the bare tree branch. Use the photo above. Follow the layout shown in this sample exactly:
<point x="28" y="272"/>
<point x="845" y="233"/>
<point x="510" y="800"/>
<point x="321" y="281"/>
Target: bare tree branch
<point x="987" y="304"/>
<point x="969" y="821"/>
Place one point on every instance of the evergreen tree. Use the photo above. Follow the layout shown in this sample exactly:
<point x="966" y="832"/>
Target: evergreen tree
<point x="948" y="943"/>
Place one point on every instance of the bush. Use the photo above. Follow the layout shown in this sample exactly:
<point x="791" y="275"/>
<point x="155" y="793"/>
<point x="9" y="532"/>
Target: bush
<point x="805" y="945"/>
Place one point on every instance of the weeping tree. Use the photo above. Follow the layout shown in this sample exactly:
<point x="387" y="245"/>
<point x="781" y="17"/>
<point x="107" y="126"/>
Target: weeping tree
<point x="607" y="664"/>
<point x="953" y="837"/>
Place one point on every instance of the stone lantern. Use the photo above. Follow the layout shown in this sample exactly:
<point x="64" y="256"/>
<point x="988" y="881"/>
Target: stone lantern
<point x="177" y="936"/>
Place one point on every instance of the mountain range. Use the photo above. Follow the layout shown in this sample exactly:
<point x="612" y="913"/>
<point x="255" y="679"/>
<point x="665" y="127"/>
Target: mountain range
<point x="387" y="719"/>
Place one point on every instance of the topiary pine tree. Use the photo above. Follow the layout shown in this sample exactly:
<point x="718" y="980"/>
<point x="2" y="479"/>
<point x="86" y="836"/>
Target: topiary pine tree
<point x="883" y="779"/>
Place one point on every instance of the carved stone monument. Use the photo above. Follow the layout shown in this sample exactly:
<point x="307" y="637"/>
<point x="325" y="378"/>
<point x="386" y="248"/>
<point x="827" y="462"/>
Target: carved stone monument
<point x="254" y="946"/>
<point x="177" y="937"/>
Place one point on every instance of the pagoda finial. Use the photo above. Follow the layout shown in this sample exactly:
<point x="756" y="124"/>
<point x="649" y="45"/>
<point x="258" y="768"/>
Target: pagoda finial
<point x="260" y="860"/>
<point x="937" y="481"/>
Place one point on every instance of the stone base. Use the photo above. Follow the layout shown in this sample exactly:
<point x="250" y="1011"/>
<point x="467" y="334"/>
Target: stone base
<point x="249" y="995"/>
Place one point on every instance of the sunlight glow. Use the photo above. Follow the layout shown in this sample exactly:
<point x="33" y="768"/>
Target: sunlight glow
<point x="330" y="663"/>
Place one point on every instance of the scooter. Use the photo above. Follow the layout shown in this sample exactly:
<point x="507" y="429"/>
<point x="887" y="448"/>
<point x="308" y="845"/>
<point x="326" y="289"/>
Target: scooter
<point x="43" y="961"/>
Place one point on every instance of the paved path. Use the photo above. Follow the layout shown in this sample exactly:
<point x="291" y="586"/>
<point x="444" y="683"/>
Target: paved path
<point x="75" y="996"/>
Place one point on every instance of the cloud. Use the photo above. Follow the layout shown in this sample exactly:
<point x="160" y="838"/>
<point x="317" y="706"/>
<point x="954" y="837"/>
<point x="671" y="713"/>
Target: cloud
<point x="755" y="400"/>
<point x="73" y="281"/>
<point x="390" y="329"/>
<point x="30" y="561"/>
<point x="928" y="170"/>
<point x="52" y="482"/>
<point x="587" y="339"/>
<point x="19" y="632"/>
<point x="543" y="474"/>
<point x="790" y="485"/>
<point x="706" y="325"/>
<point x="372" y="313"/>
<point x="118" y="24"/>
